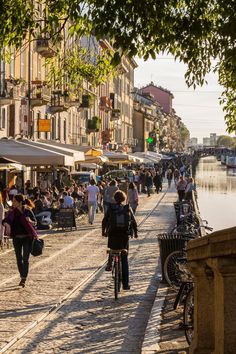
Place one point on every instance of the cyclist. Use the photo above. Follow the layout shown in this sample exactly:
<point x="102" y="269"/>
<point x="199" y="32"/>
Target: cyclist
<point x="118" y="224"/>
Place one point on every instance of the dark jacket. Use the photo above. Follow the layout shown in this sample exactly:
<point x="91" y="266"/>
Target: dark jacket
<point x="19" y="224"/>
<point x="118" y="239"/>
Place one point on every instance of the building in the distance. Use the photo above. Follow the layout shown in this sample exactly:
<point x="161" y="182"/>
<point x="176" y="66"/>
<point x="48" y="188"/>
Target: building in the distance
<point x="193" y="142"/>
<point x="206" y="141"/>
<point x="213" y="139"/>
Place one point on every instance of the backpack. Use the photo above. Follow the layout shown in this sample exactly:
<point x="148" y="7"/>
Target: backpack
<point x="120" y="219"/>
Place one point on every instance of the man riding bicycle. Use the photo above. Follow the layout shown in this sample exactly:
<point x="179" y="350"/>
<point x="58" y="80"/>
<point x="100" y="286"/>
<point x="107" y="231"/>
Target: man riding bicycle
<point x="118" y="225"/>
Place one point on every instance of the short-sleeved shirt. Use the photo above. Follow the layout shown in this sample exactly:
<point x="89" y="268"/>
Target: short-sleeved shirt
<point x="92" y="193"/>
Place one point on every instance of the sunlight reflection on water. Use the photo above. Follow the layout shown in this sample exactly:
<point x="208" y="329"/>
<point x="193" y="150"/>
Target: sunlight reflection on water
<point x="216" y="188"/>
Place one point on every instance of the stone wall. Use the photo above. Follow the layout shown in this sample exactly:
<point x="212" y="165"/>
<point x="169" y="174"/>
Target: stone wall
<point x="212" y="260"/>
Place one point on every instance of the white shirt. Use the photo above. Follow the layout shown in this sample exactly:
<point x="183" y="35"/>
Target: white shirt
<point x="92" y="193"/>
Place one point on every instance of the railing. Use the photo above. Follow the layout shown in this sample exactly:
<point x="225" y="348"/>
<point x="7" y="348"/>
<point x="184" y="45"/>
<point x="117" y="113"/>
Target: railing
<point x="45" y="47"/>
<point x="212" y="260"/>
<point x="105" y="103"/>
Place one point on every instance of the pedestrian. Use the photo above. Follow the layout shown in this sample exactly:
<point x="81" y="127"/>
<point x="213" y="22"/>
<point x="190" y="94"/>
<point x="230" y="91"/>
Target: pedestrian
<point x="13" y="191"/>
<point x="176" y="176"/>
<point x="118" y="224"/>
<point x="132" y="197"/>
<point x="92" y="194"/>
<point x="148" y="183"/>
<point x="1" y="219"/>
<point x="189" y="189"/>
<point x="137" y="181"/>
<point x="19" y="223"/>
<point x="112" y="188"/>
<point x="142" y="181"/>
<point x="169" y="176"/>
<point x="157" y="180"/>
<point x="181" y="186"/>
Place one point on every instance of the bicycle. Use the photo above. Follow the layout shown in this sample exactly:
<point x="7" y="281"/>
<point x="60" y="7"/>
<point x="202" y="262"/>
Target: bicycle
<point x="117" y="269"/>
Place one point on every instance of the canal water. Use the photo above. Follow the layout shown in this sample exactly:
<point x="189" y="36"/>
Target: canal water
<point x="216" y="190"/>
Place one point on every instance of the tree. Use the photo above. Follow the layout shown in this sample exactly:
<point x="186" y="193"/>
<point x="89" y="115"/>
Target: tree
<point x="195" y="32"/>
<point x="226" y="141"/>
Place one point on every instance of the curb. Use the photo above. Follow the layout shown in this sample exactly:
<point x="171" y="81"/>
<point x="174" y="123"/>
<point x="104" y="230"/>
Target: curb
<point x="152" y="335"/>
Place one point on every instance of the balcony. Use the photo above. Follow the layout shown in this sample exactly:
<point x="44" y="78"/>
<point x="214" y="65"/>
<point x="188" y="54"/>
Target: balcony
<point x="94" y="124"/>
<point x="40" y="95"/>
<point x="115" y="114"/>
<point x="105" y="103"/>
<point x="87" y="101"/>
<point x="71" y="99"/>
<point x="8" y="93"/>
<point x="45" y="48"/>
<point x="58" y="102"/>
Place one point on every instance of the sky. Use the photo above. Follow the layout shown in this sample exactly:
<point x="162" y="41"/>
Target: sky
<point x="200" y="110"/>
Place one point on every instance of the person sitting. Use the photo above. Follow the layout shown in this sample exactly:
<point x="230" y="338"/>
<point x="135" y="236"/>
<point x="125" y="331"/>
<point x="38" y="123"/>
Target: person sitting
<point x="68" y="200"/>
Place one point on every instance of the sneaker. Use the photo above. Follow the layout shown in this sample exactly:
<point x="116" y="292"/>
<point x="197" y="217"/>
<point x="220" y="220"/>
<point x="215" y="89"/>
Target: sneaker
<point x="108" y="268"/>
<point x="22" y="282"/>
<point x="126" y="287"/>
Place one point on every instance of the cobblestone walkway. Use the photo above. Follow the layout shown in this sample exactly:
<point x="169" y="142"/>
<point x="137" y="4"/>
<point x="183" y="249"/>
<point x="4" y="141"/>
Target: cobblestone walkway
<point x="91" y="322"/>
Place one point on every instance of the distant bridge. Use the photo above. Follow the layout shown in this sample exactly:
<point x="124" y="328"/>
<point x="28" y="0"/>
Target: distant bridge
<point x="212" y="151"/>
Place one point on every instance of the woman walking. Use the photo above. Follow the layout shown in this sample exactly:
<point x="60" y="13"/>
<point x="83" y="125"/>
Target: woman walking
<point x="1" y="219"/>
<point x="19" y="224"/>
<point x="132" y="197"/>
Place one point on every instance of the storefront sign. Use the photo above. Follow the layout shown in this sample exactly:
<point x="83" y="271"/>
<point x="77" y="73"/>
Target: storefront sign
<point x="44" y="125"/>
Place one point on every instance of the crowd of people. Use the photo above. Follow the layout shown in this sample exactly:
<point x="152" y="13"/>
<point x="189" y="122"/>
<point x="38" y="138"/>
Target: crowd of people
<point x="118" y="200"/>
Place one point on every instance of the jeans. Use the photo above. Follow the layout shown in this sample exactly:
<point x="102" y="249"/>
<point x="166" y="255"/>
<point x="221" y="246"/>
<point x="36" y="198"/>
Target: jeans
<point x="125" y="270"/>
<point x="22" y="248"/>
<point x="92" y="206"/>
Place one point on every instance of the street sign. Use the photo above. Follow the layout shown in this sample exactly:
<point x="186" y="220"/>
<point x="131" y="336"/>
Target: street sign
<point x="44" y="125"/>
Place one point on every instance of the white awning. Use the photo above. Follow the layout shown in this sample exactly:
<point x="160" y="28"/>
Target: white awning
<point x="149" y="156"/>
<point x="32" y="154"/>
<point x="122" y="157"/>
<point x="68" y="149"/>
<point x="87" y="150"/>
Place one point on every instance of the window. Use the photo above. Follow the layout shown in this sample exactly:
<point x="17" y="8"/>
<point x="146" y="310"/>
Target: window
<point x="39" y="64"/>
<point x="2" y="118"/>
<point x="22" y="63"/>
<point x="12" y="64"/>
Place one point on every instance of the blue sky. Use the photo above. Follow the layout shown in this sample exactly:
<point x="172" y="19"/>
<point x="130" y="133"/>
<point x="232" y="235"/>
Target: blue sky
<point x="199" y="109"/>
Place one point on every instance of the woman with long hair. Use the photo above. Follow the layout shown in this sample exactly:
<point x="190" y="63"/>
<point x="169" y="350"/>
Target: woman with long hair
<point x="19" y="223"/>
<point x="132" y="196"/>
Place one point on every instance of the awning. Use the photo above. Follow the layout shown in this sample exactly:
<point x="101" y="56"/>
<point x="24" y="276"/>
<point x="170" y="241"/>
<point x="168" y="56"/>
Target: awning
<point x="66" y="149"/>
<point x="121" y="157"/>
<point x="96" y="159"/>
<point x="32" y="154"/>
<point x="91" y="166"/>
<point x="149" y="156"/>
<point x="87" y="150"/>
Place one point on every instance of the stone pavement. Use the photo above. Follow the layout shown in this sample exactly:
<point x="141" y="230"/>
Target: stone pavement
<point x="91" y="321"/>
<point x="163" y="334"/>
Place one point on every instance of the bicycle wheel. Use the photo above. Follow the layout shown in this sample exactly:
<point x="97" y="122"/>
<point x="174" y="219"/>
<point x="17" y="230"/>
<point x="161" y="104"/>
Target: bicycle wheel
<point x="189" y="316"/>
<point x="116" y="279"/>
<point x="171" y="270"/>
<point x="120" y="275"/>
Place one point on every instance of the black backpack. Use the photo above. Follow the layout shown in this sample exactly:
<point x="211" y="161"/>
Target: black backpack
<point x="120" y="219"/>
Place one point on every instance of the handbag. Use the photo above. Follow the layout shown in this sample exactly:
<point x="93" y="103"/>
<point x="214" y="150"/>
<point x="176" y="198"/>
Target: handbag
<point x="37" y="247"/>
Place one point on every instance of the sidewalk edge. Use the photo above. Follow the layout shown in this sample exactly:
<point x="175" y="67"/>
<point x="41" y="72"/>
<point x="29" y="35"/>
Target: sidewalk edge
<point x="152" y="335"/>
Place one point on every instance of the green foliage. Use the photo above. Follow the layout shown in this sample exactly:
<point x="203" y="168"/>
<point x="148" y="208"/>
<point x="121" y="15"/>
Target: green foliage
<point x="196" y="32"/>
<point x="226" y="141"/>
<point x="184" y="134"/>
